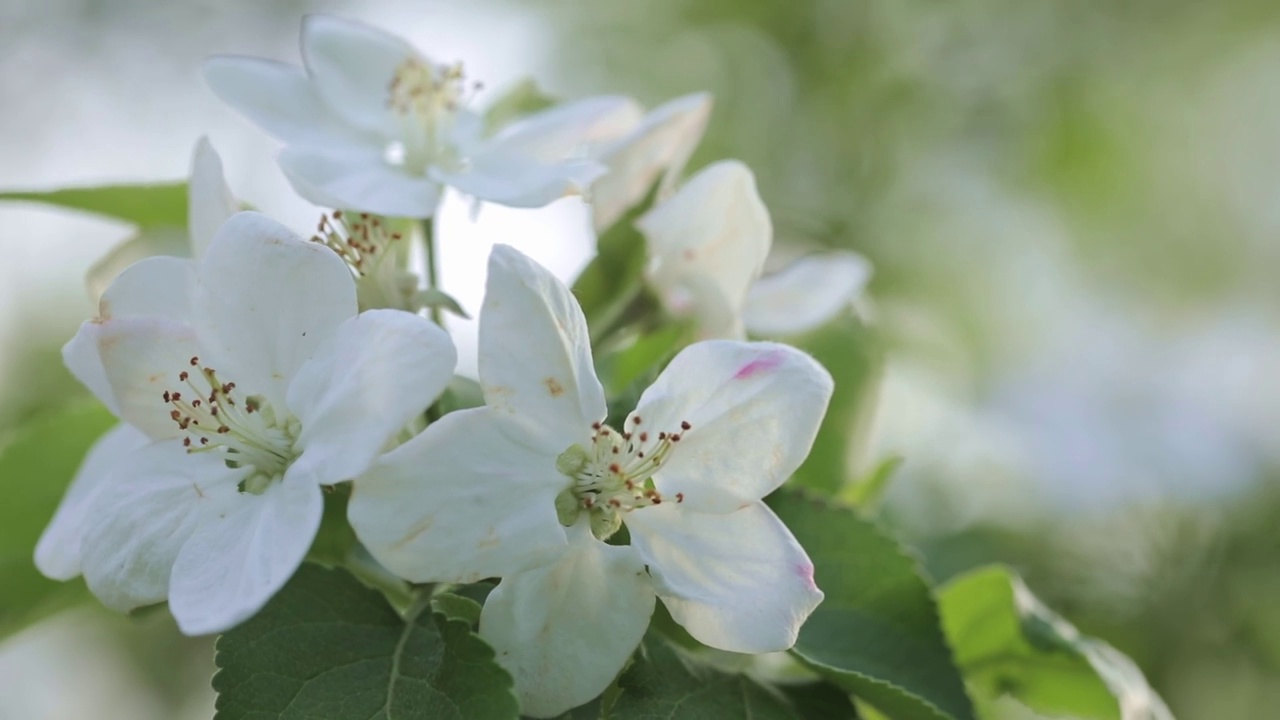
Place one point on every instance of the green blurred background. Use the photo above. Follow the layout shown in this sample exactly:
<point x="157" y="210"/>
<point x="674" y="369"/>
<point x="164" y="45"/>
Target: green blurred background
<point x="1073" y="208"/>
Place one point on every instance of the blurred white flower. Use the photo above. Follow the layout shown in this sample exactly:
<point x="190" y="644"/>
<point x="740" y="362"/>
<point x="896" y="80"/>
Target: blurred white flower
<point x="209" y="204"/>
<point x="529" y="486"/>
<point x="707" y="247"/>
<point x="374" y="126"/>
<point x="217" y="505"/>
<point x="659" y="144"/>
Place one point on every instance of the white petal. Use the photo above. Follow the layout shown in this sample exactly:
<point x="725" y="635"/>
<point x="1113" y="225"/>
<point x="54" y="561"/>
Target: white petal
<point x="496" y="176"/>
<point x="557" y="132"/>
<point x="805" y="294"/>
<point x="737" y="582"/>
<point x="352" y="65"/>
<point x="58" y="551"/>
<point x="266" y="300"/>
<point x="236" y="559"/>
<point x="209" y="200"/>
<point x="82" y="359"/>
<point x="660" y="145"/>
<point x="707" y="245"/>
<point x="359" y="179"/>
<point x="139" y="523"/>
<point x="564" y="631"/>
<point x="159" y="286"/>
<point x="535" y="354"/>
<point x="459" y="503"/>
<point x="754" y="410"/>
<point x="376" y="372"/>
<point x="142" y="357"/>
<point x="149" y="242"/>
<point x="279" y="99"/>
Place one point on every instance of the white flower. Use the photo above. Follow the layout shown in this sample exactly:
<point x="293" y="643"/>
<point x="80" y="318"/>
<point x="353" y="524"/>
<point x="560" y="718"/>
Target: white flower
<point x="707" y="246"/>
<point x="254" y="382"/>
<point x="528" y="487"/>
<point x="374" y="126"/>
<point x="209" y="204"/>
<point x="659" y="144"/>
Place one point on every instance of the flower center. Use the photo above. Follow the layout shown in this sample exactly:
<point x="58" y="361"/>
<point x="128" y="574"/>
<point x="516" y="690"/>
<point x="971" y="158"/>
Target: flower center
<point x="426" y="98"/>
<point x="615" y="475"/>
<point x="368" y="245"/>
<point x="243" y="428"/>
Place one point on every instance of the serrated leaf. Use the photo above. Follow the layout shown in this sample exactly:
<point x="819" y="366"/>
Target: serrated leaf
<point x="457" y="607"/>
<point x="326" y="646"/>
<point x="36" y="464"/>
<point x="148" y="206"/>
<point x="877" y="634"/>
<point x="852" y="354"/>
<point x="661" y="685"/>
<point x="1007" y="641"/>
<point x="523" y="98"/>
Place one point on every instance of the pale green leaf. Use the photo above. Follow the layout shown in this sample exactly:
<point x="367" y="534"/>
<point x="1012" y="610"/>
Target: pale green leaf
<point x="146" y="206"/>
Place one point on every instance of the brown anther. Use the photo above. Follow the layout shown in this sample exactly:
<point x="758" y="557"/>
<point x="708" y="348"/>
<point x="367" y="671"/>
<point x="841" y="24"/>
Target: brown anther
<point x="213" y="410"/>
<point x="176" y="396"/>
<point x="630" y="484"/>
<point x="194" y="361"/>
<point x="644" y="437"/>
<point x="675" y="438"/>
<point x="175" y="415"/>
<point x="615" y="468"/>
<point x="679" y="497"/>
<point x="337" y="214"/>
<point x="182" y="376"/>
<point x="223" y="429"/>
<point x="186" y="442"/>
<point x="662" y="436"/>
<point x="626" y="436"/>
<point x="195" y="403"/>
<point x="656" y="499"/>
<point x="615" y="451"/>
<point x="204" y="441"/>
<point x="167" y="397"/>
<point x="640" y="454"/>
<point x="615" y="502"/>
<point x="684" y="425"/>
<point x="396" y="236"/>
<point x="636" y="419"/>
<point x="595" y="426"/>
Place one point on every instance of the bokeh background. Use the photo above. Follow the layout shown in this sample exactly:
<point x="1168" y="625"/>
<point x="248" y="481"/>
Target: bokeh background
<point x="1073" y="207"/>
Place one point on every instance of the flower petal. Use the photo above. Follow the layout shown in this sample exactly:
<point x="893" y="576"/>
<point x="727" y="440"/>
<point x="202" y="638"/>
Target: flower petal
<point x="351" y="66"/>
<point x="58" y="551"/>
<point x="660" y="145"/>
<point x="141" y="358"/>
<point x="459" y="503"/>
<point x="707" y="244"/>
<point x="279" y="99"/>
<point x="805" y="294"/>
<point x="510" y="179"/>
<point x="359" y="179"/>
<point x="535" y="354"/>
<point x="737" y="582"/>
<point x="266" y="299"/>
<point x="369" y="378"/>
<point x="236" y="559"/>
<point x="564" y="631"/>
<point x="147" y="243"/>
<point x="558" y="132"/>
<point x="159" y="286"/>
<point x="209" y="200"/>
<point x="754" y="410"/>
<point x="80" y="356"/>
<point x="139" y="524"/>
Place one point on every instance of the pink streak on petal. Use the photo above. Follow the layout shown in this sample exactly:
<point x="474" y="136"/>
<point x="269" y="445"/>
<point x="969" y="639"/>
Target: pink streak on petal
<point x="805" y="571"/>
<point x="759" y="365"/>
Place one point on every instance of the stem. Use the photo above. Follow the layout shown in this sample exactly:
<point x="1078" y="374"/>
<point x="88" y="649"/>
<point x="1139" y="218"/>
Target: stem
<point x="433" y="276"/>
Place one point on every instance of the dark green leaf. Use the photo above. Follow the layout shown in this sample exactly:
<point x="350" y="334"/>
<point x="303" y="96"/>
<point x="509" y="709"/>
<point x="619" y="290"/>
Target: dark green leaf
<point x="1007" y="641"/>
<point x="661" y="684"/>
<point x="462" y="393"/>
<point x="642" y="359"/>
<point x="147" y="206"/>
<point x="853" y="356"/>
<point x="877" y="634"/>
<point x="457" y="607"/>
<point x="820" y="701"/>
<point x="524" y="98"/>
<point x="328" y="647"/>
<point x="613" y="279"/>
<point x="36" y="464"/>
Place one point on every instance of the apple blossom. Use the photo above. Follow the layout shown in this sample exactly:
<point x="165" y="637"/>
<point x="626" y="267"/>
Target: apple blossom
<point x="374" y="126"/>
<point x="530" y="486"/>
<point x="246" y="380"/>
<point x="707" y="246"/>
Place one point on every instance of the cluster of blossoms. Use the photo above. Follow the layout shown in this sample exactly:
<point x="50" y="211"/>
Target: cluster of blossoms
<point x="267" y="369"/>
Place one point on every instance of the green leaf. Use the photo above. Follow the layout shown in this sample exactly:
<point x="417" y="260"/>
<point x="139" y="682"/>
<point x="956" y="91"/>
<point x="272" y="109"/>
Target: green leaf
<point x="147" y="206"/>
<point x="877" y="634"/>
<point x="641" y="361"/>
<point x="614" y="278"/>
<point x="457" y="607"/>
<point x="437" y="298"/>
<point x="523" y="98"/>
<point x="853" y="355"/>
<point x="36" y="464"/>
<point x="1007" y="641"/>
<point x="661" y="684"/>
<point x="867" y="492"/>
<point x="326" y="646"/>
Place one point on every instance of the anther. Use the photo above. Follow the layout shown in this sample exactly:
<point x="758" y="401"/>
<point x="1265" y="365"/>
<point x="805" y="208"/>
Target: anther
<point x="182" y="376"/>
<point x="684" y="425"/>
<point x="195" y="361"/>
